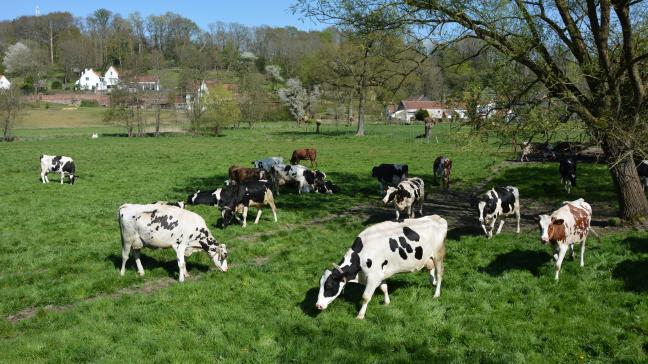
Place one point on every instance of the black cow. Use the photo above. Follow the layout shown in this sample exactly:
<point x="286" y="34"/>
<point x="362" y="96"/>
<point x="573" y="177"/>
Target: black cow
<point x="568" y="173"/>
<point x="642" y="170"/>
<point x="327" y="187"/>
<point x="202" y="198"/>
<point x="389" y="174"/>
<point x="237" y="199"/>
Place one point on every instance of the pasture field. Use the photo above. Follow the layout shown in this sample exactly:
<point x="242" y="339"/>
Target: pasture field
<point x="62" y="299"/>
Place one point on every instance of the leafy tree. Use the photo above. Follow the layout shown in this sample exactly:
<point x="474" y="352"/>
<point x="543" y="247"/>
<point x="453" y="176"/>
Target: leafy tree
<point x="254" y="99"/>
<point x="125" y="110"/>
<point x="421" y="114"/>
<point x="592" y="56"/>
<point x="26" y="61"/>
<point x="221" y="108"/>
<point x="298" y="99"/>
<point x="10" y="110"/>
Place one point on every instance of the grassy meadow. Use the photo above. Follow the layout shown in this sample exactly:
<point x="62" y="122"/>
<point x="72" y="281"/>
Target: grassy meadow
<point x="62" y="299"/>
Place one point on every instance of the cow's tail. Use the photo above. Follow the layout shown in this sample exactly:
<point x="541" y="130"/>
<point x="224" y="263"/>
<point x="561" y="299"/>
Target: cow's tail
<point x="598" y="237"/>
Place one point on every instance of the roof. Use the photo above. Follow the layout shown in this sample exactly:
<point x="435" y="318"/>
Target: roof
<point x="408" y="105"/>
<point x="114" y="68"/>
<point x="93" y="71"/>
<point x="417" y="98"/>
<point x="228" y="86"/>
<point x="146" y="78"/>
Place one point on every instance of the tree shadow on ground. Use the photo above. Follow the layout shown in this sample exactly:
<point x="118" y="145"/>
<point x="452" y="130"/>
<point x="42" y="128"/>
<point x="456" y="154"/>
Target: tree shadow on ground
<point x="636" y="244"/>
<point x="633" y="273"/>
<point x="147" y="135"/>
<point x="149" y="263"/>
<point x="352" y="294"/>
<point x="527" y="260"/>
<point x="311" y="132"/>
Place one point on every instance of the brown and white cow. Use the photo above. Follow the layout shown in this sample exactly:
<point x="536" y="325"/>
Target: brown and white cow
<point x="442" y="167"/>
<point x="304" y="154"/>
<point x="239" y="174"/>
<point x="565" y="227"/>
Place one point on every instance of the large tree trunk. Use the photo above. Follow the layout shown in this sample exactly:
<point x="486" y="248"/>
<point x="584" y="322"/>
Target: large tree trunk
<point x="633" y="204"/>
<point x="361" y="113"/>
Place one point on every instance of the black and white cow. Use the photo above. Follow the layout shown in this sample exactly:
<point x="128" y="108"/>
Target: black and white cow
<point x="409" y="191"/>
<point x="642" y="170"/>
<point x="499" y="201"/>
<point x="326" y="187"/>
<point x="389" y="174"/>
<point x="304" y="178"/>
<point x="383" y="250"/>
<point x="58" y="164"/>
<point x="179" y="204"/>
<point x="202" y="198"/>
<point x="267" y="163"/>
<point x="239" y="198"/>
<point x="567" y="170"/>
<point x="160" y="226"/>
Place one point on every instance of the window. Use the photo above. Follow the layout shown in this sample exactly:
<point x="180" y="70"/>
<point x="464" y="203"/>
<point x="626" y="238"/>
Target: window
<point x="87" y="78"/>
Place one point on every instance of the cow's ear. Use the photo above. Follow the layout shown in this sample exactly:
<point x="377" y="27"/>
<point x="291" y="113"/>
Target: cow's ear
<point x="558" y="222"/>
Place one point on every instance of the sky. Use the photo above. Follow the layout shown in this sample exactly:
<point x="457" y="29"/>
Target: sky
<point x="274" y="13"/>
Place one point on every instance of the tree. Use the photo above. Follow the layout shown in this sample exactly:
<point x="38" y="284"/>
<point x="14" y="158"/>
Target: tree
<point x="221" y="108"/>
<point x="125" y="110"/>
<point x="253" y="99"/>
<point x="298" y="99"/>
<point x="590" y="55"/>
<point x="421" y="114"/>
<point x="10" y="110"/>
<point x="26" y="61"/>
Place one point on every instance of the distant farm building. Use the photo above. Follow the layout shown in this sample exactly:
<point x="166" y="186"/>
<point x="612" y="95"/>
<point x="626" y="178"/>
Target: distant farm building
<point x="92" y="80"/>
<point x="437" y="110"/>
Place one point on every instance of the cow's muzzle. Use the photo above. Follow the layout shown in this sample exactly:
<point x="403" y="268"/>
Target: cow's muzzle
<point x="320" y="306"/>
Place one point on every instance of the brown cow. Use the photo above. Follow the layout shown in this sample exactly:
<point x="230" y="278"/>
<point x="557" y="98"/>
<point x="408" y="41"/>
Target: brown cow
<point x="566" y="226"/>
<point x="238" y="174"/>
<point x="304" y="154"/>
<point x="442" y="167"/>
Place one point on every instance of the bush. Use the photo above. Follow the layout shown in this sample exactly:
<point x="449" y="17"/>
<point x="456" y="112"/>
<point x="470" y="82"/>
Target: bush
<point x="421" y="114"/>
<point x="56" y="85"/>
<point x="89" y="103"/>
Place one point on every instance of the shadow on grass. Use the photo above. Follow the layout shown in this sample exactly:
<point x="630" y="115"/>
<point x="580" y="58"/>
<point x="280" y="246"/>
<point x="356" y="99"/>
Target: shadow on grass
<point x="634" y="274"/>
<point x="170" y="266"/>
<point x="542" y="181"/>
<point x="352" y="294"/>
<point x="528" y="260"/>
<point x="311" y="132"/>
<point x="636" y="244"/>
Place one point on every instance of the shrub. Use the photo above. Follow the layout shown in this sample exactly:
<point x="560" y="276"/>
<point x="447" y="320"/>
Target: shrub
<point x="56" y="85"/>
<point x="89" y="103"/>
<point x="421" y="114"/>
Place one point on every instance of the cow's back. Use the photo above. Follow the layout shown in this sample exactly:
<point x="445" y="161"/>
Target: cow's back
<point x="577" y="216"/>
<point x="404" y="246"/>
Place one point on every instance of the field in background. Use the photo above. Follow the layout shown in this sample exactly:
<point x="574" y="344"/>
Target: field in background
<point x="62" y="300"/>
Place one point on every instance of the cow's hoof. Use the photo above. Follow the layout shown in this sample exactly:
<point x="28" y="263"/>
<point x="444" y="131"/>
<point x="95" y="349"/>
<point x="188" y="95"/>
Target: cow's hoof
<point x="359" y="317"/>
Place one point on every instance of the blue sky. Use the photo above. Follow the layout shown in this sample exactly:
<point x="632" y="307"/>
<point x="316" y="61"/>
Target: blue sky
<point x="247" y="12"/>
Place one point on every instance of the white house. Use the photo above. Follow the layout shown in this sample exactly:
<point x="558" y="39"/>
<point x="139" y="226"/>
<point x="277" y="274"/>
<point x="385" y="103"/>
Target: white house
<point x="111" y="77"/>
<point x="407" y="109"/>
<point x="91" y="80"/>
<point x="147" y="83"/>
<point x="4" y="83"/>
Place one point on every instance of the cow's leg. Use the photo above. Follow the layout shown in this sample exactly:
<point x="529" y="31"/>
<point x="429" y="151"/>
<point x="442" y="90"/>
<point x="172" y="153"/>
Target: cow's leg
<point x="256" y="221"/>
<point x="397" y="215"/>
<point x="431" y="269"/>
<point x="421" y="206"/>
<point x="383" y="288"/>
<point x="62" y="176"/>
<point x="274" y="210"/>
<point x="126" y="247"/>
<point x="138" y="262"/>
<point x="370" y="288"/>
<point x="245" y="212"/>
<point x="182" y="268"/>
<point x="561" y="255"/>
<point x="571" y="249"/>
<point x="438" y="267"/>
<point x="517" y="216"/>
<point x="499" y="229"/>
<point x="582" y="262"/>
<point x="43" y="177"/>
<point x="484" y="228"/>
<point x="409" y="212"/>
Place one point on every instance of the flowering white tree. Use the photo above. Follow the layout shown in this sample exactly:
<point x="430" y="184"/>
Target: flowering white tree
<point x="298" y="99"/>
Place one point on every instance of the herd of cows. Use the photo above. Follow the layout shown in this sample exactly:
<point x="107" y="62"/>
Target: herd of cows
<point x="377" y="253"/>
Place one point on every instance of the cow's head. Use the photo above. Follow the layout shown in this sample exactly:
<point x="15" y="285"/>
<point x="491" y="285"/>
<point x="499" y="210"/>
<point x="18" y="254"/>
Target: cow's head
<point x="218" y="253"/>
<point x="390" y="194"/>
<point x="551" y="229"/>
<point x="374" y="172"/>
<point x="331" y="285"/>
<point x="73" y="178"/>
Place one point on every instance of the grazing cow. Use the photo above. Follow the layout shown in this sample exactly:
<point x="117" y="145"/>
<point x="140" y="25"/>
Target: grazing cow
<point x="541" y="151"/>
<point x="499" y="201"/>
<point x="409" y="191"/>
<point x="267" y="163"/>
<point x="238" y="174"/>
<point x="202" y="198"/>
<point x="59" y="164"/>
<point x="642" y="170"/>
<point x="568" y="173"/>
<point x="160" y="226"/>
<point x="179" y="204"/>
<point x="238" y="199"/>
<point x="304" y="154"/>
<point x="383" y="250"/>
<point x="565" y="227"/>
<point x="389" y="174"/>
<point x="442" y="167"/>
<point x="302" y="176"/>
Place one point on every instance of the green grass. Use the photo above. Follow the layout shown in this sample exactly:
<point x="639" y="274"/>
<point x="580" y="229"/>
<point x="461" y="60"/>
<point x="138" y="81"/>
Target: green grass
<point x="499" y="302"/>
